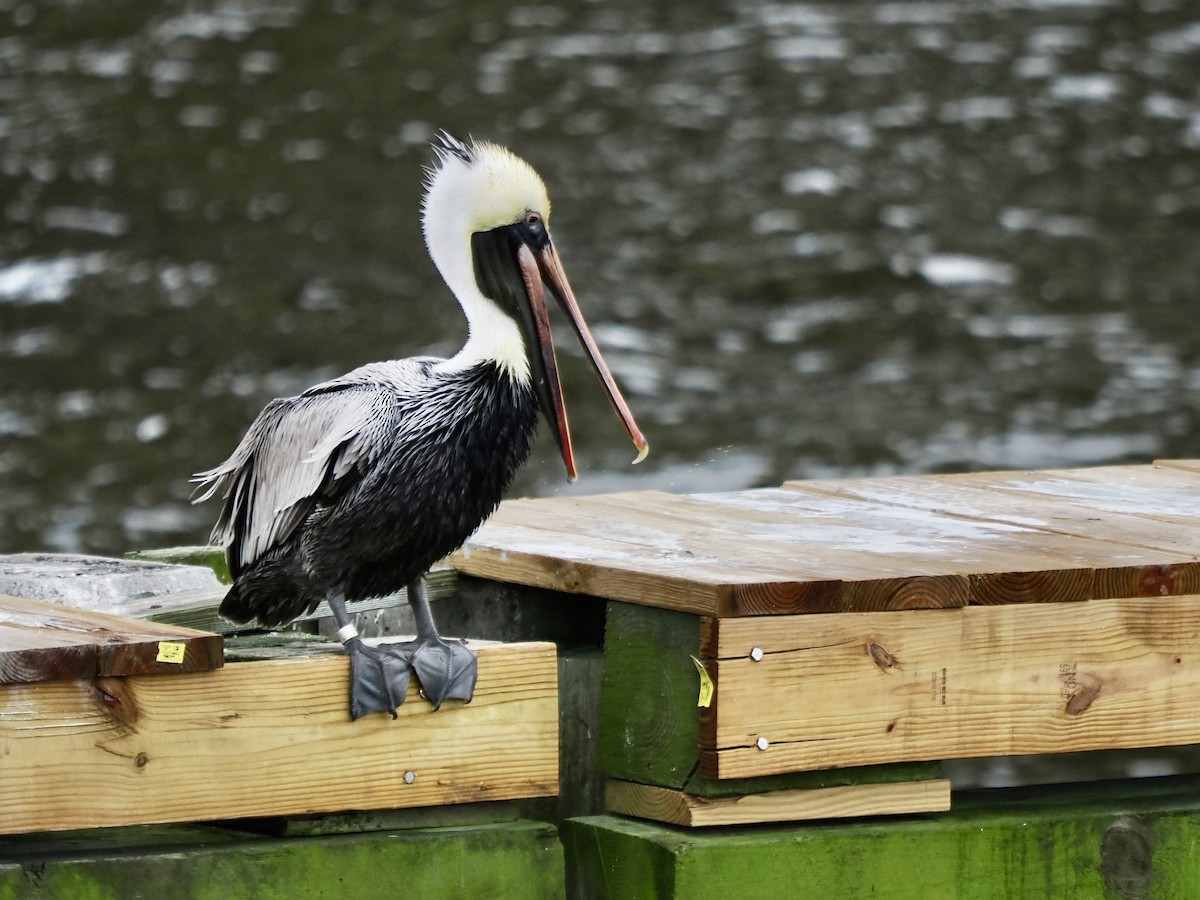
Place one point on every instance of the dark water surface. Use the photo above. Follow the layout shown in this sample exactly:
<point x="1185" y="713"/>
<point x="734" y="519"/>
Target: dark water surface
<point x="814" y="240"/>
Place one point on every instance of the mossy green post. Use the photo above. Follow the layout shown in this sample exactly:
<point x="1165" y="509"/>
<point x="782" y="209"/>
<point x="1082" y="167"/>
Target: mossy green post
<point x="1130" y="840"/>
<point x="514" y="859"/>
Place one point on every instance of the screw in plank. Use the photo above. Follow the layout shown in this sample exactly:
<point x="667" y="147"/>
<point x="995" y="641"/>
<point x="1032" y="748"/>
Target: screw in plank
<point x="410" y="777"/>
<point x="762" y="743"/>
<point x="756" y="654"/>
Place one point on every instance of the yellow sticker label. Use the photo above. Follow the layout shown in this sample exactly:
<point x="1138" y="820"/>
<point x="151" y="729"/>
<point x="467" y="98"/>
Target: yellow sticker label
<point x="706" y="685"/>
<point x="170" y="652"/>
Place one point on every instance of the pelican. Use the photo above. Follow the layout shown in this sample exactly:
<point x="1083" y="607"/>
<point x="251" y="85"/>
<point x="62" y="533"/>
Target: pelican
<point x="355" y="487"/>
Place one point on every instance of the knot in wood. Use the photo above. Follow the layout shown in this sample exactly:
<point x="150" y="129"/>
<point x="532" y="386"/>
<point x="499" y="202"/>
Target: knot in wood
<point x="880" y="656"/>
<point x="116" y="699"/>
<point x="1084" y="696"/>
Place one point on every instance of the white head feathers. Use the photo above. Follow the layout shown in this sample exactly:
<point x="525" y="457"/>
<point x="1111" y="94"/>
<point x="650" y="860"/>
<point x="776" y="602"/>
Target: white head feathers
<point x="478" y="186"/>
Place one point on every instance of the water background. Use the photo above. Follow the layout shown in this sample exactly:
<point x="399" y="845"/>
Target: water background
<point x="813" y="239"/>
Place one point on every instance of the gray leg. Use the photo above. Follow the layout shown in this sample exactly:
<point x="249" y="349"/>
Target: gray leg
<point x="446" y="669"/>
<point x="418" y="599"/>
<point x="378" y="675"/>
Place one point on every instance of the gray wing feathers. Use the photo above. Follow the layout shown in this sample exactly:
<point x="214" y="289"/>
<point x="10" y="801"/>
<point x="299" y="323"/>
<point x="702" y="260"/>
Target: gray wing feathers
<point x="294" y="447"/>
<point x="298" y="445"/>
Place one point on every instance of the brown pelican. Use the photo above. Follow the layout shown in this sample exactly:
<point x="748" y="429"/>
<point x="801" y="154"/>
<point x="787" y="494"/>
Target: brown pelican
<point x="356" y="486"/>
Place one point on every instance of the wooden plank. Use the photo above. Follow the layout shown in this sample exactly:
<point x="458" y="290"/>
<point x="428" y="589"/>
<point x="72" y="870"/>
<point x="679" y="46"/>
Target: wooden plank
<point x="506" y="552"/>
<point x="764" y="539"/>
<point x="1146" y="492"/>
<point x="1183" y="465"/>
<point x="848" y="690"/>
<point x="1112" y="526"/>
<point x="43" y="641"/>
<point x="650" y="722"/>
<point x="847" y="801"/>
<point x="1005" y="562"/>
<point x="861" y="544"/>
<point x="525" y="543"/>
<point x="649" y="727"/>
<point x="1134" y="839"/>
<point x="198" y="608"/>
<point x="265" y="739"/>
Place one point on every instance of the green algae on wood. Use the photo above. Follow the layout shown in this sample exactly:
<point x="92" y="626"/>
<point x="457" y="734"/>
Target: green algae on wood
<point x="1126" y="840"/>
<point x="516" y="859"/>
<point x="208" y="556"/>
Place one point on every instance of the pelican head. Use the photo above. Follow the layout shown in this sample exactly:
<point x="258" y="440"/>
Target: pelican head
<point x="486" y="222"/>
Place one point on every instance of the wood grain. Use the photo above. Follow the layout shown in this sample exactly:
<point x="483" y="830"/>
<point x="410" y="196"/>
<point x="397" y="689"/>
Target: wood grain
<point x="847" y="801"/>
<point x="42" y="641"/>
<point x="848" y="690"/>
<point x="269" y="739"/>
<point x="860" y="544"/>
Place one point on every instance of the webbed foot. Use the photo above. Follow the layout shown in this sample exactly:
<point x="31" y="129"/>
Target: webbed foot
<point x="378" y="678"/>
<point x="446" y="669"/>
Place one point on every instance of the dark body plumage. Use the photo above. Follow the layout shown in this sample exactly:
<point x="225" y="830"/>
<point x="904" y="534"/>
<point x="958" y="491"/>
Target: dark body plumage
<point x="358" y="485"/>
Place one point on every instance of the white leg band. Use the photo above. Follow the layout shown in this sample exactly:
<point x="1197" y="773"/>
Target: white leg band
<point x="346" y="632"/>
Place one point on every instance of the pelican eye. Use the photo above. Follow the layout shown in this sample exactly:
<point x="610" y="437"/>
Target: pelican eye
<point x="535" y="227"/>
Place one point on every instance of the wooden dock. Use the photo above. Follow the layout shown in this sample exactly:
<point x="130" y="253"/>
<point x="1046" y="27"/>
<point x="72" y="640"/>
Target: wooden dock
<point x="802" y="659"/>
<point x="812" y="651"/>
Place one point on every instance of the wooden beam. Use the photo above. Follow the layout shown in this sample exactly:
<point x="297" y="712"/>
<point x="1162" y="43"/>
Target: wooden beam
<point x="1129" y="840"/>
<point x="269" y="738"/>
<point x="842" y="802"/>
<point x="510" y="859"/>
<point x="650" y="723"/>
<point x="43" y="641"/>
<point x="851" y="690"/>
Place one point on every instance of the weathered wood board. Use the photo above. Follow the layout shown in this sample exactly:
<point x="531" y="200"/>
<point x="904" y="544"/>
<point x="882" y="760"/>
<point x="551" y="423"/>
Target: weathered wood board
<point x="199" y="608"/>
<point x="43" y="641"/>
<point x="269" y="738"/>
<point x="1145" y="516"/>
<point x="861" y="544"/>
<point x="796" y="693"/>
<point x="1184" y="465"/>
<point x="841" y="802"/>
<point x="650" y="730"/>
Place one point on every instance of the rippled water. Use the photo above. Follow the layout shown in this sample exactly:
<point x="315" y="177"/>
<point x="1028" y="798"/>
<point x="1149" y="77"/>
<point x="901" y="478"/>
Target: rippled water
<point x="814" y="239"/>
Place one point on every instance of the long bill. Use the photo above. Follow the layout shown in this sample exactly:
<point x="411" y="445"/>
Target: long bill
<point x="543" y="265"/>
